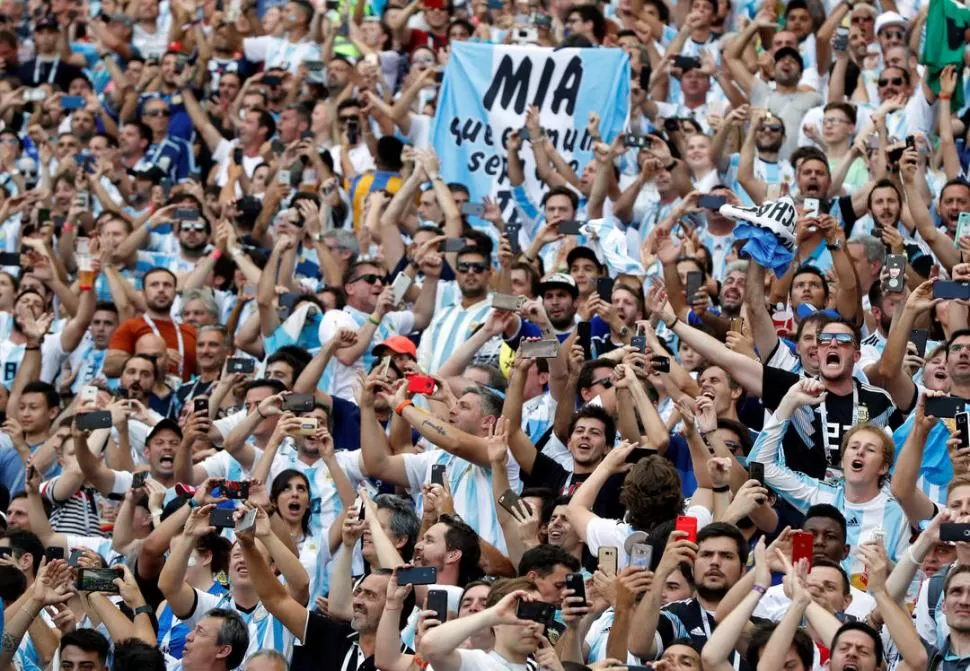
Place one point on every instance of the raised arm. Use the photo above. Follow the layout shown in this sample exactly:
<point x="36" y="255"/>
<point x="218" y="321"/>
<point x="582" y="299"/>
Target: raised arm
<point x="915" y="503"/>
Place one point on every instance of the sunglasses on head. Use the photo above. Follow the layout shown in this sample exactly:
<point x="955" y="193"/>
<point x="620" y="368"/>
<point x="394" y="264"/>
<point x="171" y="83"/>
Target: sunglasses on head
<point x="370" y="278"/>
<point x="895" y="81"/>
<point x="837" y="338"/>
<point x="468" y="267"/>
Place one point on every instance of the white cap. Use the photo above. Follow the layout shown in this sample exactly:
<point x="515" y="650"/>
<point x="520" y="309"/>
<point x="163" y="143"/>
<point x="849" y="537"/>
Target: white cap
<point x="889" y="19"/>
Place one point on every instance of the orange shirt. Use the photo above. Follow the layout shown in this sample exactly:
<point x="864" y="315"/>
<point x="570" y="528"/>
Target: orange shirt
<point x="131" y="330"/>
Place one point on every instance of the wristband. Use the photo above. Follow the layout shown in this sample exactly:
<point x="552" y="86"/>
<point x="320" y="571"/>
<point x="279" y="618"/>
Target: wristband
<point x="402" y="405"/>
<point x="943" y="97"/>
<point x="32" y="349"/>
<point x="759" y="589"/>
<point x="420" y="662"/>
<point x="721" y="489"/>
<point x="146" y="609"/>
<point x="68" y="228"/>
<point x="193" y="503"/>
<point x="373" y="321"/>
<point x="672" y="325"/>
<point x="216" y="254"/>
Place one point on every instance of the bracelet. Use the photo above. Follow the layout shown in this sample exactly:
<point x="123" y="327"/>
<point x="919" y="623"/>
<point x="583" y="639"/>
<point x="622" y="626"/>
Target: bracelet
<point x="402" y="405"/>
<point x="193" y="503"/>
<point x="943" y="97"/>
<point x="671" y="326"/>
<point x="373" y="321"/>
<point x="68" y="228"/>
<point x="721" y="489"/>
<point x="420" y="662"/>
<point x="216" y="254"/>
<point x="146" y="609"/>
<point x="759" y="589"/>
<point x="32" y="349"/>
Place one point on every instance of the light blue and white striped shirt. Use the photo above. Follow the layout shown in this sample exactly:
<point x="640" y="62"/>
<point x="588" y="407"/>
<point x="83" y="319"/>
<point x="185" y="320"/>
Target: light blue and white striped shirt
<point x="265" y="631"/>
<point x="451" y="327"/>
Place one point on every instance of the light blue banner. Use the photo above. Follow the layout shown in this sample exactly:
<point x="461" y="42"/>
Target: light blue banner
<point x="486" y="92"/>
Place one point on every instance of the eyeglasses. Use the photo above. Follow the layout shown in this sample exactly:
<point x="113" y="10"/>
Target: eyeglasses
<point x="772" y="128"/>
<point x="345" y="119"/>
<point x="370" y="278"/>
<point x="895" y="33"/>
<point x="837" y="338"/>
<point x="423" y="60"/>
<point x="198" y="227"/>
<point x="959" y="348"/>
<point x="606" y="382"/>
<point x="895" y="81"/>
<point x="153" y="113"/>
<point x="833" y="120"/>
<point x="863" y="19"/>
<point x="467" y="267"/>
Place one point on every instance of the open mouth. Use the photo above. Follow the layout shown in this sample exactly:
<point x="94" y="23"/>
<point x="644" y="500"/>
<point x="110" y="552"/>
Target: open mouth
<point x="555" y="536"/>
<point x="708" y="393"/>
<point x="293" y="507"/>
<point x="167" y="460"/>
<point x="832" y="358"/>
<point x="856" y="465"/>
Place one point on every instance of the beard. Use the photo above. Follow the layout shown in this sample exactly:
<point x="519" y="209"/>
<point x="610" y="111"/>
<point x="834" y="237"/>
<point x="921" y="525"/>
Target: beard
<point x="711" y="593"/>
<point x="160" y="305"/>
<point x="563" y="323"/>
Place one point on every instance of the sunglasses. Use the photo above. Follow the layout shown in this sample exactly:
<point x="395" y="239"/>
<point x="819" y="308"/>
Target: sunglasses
<point x="772" y="128"/>
<point x="837" y="338"/>
<point x="157" y="113"/>
<point x="607" y="382"/>
<point x="896" y="33"/>
<point x="199" y="227"/>
<point x="895" y="81"/>
<point x="471" y="267"/>
<point x="370" y="278"/>
<point x="345" y="119"/>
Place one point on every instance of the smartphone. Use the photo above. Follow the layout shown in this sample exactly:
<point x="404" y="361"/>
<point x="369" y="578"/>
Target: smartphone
<point x="72" y="102"/>
<point x="200" y="405"/>
<point x="895" y="154"/>
<point x="640" y="342"/>
<point x="523" y="134"/>
<point x="641" y="555"/>
<point x="420" y="384"/>
<point x="953" y="532"/>
<point x="298" y="402"/>
<point x="9" y="259"/>
<point x="34" y="95"/>
<point x="810" y="207"/>
<point x="695" y="279"/>
<point x="473" y="209"/>
<point x="308" y="426"/>
<point x="240" y="365"/>
<point x="919" y="337"/>
<point x="711" y="202"/>
<point x="802" y="546"/>
<point x="235" y="489"/>
<point x="661" y="364"/>
<point x="637" y="142"/>
<point x="417" y="575"/>
<point x="536" y="611"/>
<point x="277" y="146"/>
<point x="237" y="155"/>
<point x="43" y="215"/>
<point x="584" y="335"/>
<point x="92" y="421"/>
<point x="512" y="231"/>
<point x="896" y="267"/>
<point x="400" y="287"/>
<point x="577" y="583"/>
<point x="6" y="552"/>
<point x="911" y="142"/>
<point x="97" y="580"/>
<point x="507" y="302"/>
<point x="737" y="324"/>
<point x="75" y="557"/>
<point x="606" y="559"/>
<point x="756" y="470"/>
<point x="353" y="131"/>
<point x="438" y="602"/>
<point x="569" y="227"/>
<point x="138" y="479"/>
<point x="510" y="501"/>
<point x="604" y="287"/>
<point x="841" y="41"/>
<point x="963" y="428"/>
<point x="453" y="245"/>
<point x="540" y="349"/>
<point x="944" y="406"/>
<point x="83" y="200"/>
<point x="361" y="512"/>
<point x="438" y="474"/>
<point x="686" y="62"/>
<point x="272" y="80"/>
<point x="186" y="213"/>
<point x="54" y="552"/>
<point x="221" y="518"/>
<point x="963" y="227"/>
<point x="247" y="521"/>
<point x="688" y="524"/>
<point x="949" y="290"/>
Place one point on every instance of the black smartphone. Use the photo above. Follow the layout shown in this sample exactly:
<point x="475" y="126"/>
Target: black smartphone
<point x="686" y="62"/>
<point x="537" y="611"/>
<point x="53" y="553"/>
<point x="438" y="474"/>
<point x="417" y="575"/>
<point x="438" y="602"/>
<point x="240" y="365"/>
<point x="353" y="131"/>
<point x="221" y="518"/>
<point x="6" y="552"/>
<point x="9" y="259"/>
<point x="200" y="405"/>
<point x="524" y="134"/>
<point x="919" y="337"/>
<point x="640" y="342"/>
<point x="757" y="471"/>
<point x="577" y="583"/>
<point x="277" y="146"/>
<point x="636" y="141"/>
<point x="953" y="532"/>
<point x="75" y="557"/>
<point x="298" y="402"/>
<point x="711" y="202"/>
<point x="512" y="230"/>
<point x="138" y="479"/>
<point x="92" y="421"/>
<point x="186" y="213"/>
<point x="511" y="502"/>
<point x="439" y="76"/>
<point x="97" y="580"/>
<point x="604" y="287"/>
<point x="895" y="154"/>
<point x="235" y="489"/>
<point x="695" y="279"/>
<point x="43" y="215"/>
<point x="237" y="155"/>
<point x="661" y="364"/>
<point x="272" y="80"/>
<point x="944" y="406"/>
<point x="911" y="142"/>
<point x="963" y="428"/>
<point x="950" y="290"/>
<point x="569" y="227"/>
<point x="584" y="335"/>
<point x="896" y="269"/>
<point x="453" y="245"/>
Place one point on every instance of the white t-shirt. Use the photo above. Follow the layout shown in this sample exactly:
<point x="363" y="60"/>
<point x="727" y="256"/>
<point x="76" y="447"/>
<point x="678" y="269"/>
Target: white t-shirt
<point x="479" y="660"/>
<point x="603" y="532"/>
<point x="223" y="154"/>
<point x="279" y="52"/>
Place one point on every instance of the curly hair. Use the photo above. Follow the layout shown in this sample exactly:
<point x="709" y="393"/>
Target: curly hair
<point x="651" y="493"/>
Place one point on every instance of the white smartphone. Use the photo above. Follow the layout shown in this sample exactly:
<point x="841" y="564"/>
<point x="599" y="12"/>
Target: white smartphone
<point x="283" y="177"/>
<point x="811" y="206"/>
<point x="400" y="287"/>
<point x="89" y="393"/>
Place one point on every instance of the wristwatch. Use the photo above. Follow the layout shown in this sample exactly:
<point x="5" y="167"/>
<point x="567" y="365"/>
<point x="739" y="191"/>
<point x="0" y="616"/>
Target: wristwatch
<point x="146" y="609"/>
<point x="834" y="245"/>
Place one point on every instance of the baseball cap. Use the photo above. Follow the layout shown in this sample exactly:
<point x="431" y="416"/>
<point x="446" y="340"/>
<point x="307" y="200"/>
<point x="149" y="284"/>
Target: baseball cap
<point x="554" y="280"/>
<point x="396" y="344"/>
<point x="166" y="423"/>
<point x="789" y="51"/>
<point x="889" y="19"/>
<point x="47" y="21"/>
<point x="582" y="253"/>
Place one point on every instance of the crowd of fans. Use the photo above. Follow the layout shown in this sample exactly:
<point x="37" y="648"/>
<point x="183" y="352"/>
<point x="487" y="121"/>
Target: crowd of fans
<point x="279" y="396"/>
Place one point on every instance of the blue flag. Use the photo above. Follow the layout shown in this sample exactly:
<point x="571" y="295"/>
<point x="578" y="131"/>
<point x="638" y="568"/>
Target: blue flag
<point x="486" y="92"/>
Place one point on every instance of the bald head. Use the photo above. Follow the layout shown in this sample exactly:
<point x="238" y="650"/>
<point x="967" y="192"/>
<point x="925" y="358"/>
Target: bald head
<point x="153" y="346"/>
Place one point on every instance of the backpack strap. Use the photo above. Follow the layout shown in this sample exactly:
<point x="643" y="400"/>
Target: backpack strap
<point x="935" y="590"/>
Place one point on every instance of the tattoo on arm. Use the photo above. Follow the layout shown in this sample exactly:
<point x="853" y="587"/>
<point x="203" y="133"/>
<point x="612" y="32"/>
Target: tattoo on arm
<point x="8" y="643"/>
<point x="434" y="427"/>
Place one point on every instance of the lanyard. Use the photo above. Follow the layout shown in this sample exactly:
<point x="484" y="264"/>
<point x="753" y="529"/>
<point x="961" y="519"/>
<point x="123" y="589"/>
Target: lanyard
<point x="823" y="414"/>
<point x="707" y="633"/>
<point x="50" y="75"/>
<point x="178" y="335"/>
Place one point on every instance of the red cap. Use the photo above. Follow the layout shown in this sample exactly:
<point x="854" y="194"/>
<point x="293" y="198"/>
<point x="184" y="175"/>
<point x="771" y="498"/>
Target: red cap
<point x="398" y="344"/>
